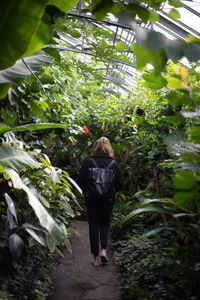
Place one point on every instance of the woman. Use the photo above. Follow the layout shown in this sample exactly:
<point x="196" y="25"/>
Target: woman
<point x="99" y="212"/>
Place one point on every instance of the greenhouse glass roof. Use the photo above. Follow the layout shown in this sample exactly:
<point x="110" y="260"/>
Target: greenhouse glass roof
<point x="119" y="74"/>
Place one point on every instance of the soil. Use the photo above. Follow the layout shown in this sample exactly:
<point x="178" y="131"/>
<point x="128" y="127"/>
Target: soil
<point x="75" y="277"/>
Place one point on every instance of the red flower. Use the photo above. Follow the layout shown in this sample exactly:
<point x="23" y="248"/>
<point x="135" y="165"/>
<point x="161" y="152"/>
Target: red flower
<point x="74" y="144"/>
<point x="85" y="129"/>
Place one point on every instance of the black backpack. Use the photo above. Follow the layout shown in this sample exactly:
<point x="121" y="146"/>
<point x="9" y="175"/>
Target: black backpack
<point x="101" y="183"/>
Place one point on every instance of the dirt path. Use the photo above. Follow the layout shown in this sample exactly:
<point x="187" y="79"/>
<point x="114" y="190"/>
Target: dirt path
<point x="75" y="277"/>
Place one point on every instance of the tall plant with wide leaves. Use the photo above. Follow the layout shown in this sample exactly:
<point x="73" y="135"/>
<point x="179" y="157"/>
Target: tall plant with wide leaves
<point x="31" y="179"/>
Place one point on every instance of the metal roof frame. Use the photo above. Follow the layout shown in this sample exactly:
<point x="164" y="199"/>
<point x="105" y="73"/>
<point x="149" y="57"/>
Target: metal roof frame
<point x="118" y="71"/>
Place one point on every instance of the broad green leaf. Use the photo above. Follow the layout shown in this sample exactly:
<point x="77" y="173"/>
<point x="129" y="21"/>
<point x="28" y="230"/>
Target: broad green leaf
<point x="53" y="15"/>
<point x="55" y="175"/>
<point x="174" y="49"/>
<point x="19" y="71"/>
<point x="154" y="17"/>
<point x="52" y="52"/>
<point x="155" y="4"/>
<point x="12" y="223"/>
<point x="44" y="201"/>
<point x="176" y="119"/>
<point x="35" y="109"/>
<point x="51" y="244"/>
<point x="177" y="99"/>
<point x="171" y="49"/>
<point x="191" y="38"/>
<point x="176" y="3"/>
<point x="194" y="134"/>
<point x="4" y="87"/>
<point x="19" y="24"/>
<point x="153" y="81"/>
<point x="100" y="8"/>
<point x="76" y="185"/>
<point x="57" y="250"/>
<point x="150" y="39"/>
<point x="159" y="60"/>
<point x="67" y="244"/>
<point x="190" y="158"/>
<point x="38" y="238"/>
<point x="67" y="207"/>
<point x="11" y="205"/>
<point x="2" y="169"/>
<point x="8" y="115"/>
<point x="66" y="241"/>
<point x="63" y="5"/>
<point x="142" y="12"/>
<point x="174" y="14"/>
<point x="162" y="200"/>
<point x="185" y="180"/>
<point x="143" y="56"/>
<point x="181" y="198"/>
<point x="75" y="33"/>
<point x="120" y="46"/>
<point x="143" y="210"/>
<point x="43" y="105"/>
<point x="32" y="127"/>
<point x="4" y="128"/>
<point x="40" y="39"/>
<point x="17" y="159"/>
<point x="175" y="83"/>
<point x="154" y="231"/>
<point x="192" y="51"/>
<point x="43" y="216"/>
<point x="184" y="215"/>
<point x="67" y="193"/>
<point x="30" y="226"/>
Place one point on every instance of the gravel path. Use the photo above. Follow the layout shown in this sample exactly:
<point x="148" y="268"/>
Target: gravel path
<point x="75" y="277"/>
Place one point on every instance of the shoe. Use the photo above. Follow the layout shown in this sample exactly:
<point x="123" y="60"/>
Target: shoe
<point x="104" y="258"/>
<point x="96" y="263"/>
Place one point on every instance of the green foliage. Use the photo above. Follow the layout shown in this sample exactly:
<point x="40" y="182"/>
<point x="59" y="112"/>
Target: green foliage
<point x="120" y="46"/>
<point x="64" y="6"/>
<point x="38" y="95"/>
<point x="19" y="71"/>
<point x="153" y="270"/>
<point x="28" y="278"/>
<point x="52" y="185"/>
<point x="16" y="159"/>
<point x="25" y="15"/>
<point x="32" y="127"/>
<point x="151" y="47"/>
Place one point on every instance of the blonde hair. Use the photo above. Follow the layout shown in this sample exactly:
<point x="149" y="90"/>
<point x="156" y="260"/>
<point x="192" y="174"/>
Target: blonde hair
<point x="102" y="145"/>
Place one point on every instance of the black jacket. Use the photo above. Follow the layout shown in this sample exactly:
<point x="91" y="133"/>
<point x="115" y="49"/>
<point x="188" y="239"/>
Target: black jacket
<point x="102" y="160"/>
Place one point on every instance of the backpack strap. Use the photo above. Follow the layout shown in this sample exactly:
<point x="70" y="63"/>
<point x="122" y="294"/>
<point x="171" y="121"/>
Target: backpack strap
<point x="94" y="162"/>
<point x="110" y="164"/>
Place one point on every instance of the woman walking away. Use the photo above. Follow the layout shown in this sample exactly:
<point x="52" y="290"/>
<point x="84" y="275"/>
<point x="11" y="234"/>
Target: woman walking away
<point x="100" y="178"/>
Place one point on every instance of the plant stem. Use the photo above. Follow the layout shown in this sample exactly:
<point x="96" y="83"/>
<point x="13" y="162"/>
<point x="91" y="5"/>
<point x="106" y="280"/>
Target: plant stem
<point x="33" y="74"/>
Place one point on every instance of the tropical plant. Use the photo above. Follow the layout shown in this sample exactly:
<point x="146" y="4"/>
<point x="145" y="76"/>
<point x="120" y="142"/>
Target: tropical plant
<point x="47" y="189"/>
<point x="41" y="86"/>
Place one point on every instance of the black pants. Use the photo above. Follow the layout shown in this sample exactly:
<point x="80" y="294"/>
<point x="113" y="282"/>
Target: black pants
<point x="99" y="225"/>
